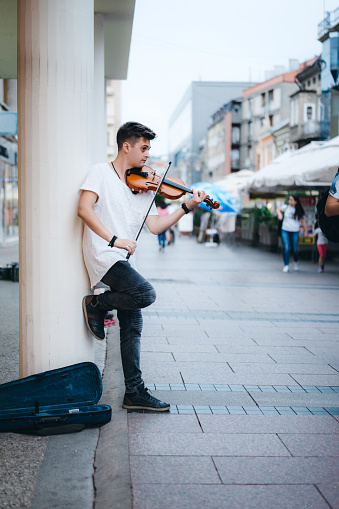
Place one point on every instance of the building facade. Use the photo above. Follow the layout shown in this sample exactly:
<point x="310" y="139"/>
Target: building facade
<point x="328" y="35"/>
<point x="305" y="106"/>
<point x="222" y="150"/>
<point x="9" y="210"/>
<point x="265" y="106"/>
<point x="190" y="120"/>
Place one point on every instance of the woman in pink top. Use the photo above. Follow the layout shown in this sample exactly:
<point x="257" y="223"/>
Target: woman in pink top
<point x="321" y="246"/>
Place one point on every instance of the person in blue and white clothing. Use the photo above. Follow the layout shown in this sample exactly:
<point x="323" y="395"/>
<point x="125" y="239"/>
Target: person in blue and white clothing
<point x="293" y="217"/>
<point x="332" y="204"/>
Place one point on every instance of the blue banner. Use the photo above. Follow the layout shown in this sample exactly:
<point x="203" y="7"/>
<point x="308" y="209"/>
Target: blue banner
<point x="8" y="123"/>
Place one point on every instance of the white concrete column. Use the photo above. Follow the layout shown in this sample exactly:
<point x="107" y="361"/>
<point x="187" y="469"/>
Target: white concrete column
<point x="100" y="117"/>
<point x="55" y="112"/>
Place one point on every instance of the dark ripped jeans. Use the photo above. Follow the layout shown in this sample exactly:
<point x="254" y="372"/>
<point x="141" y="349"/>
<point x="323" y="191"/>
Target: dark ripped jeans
<point x="129" y="293"/>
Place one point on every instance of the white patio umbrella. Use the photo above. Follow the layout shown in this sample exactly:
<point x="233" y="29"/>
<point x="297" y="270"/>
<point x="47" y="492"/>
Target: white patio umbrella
<point x="311" y="166"/>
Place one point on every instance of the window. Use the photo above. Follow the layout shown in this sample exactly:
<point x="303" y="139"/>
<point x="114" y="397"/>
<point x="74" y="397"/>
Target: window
<point x="320" y="111"/>
<point x="250" y="129"/>
<point x="292" y="112"/>
<point x="314" y="80"/>
<point x="262" y="121"/>
<point x="250" y="106"/>
<point x="9" y="200"/>
<point x="258" y="162"/>
<point x="309" y="83"/>
<point x="250" y="154"/>
<point x="271" y="120"/>
<point x="309" y="112"/>
<point x="4" y="152"/>
<point x="235" y="159"/>
<point x="235" y="134"/>
<point x="270" y="96"/>
<point x="263" y="99"/>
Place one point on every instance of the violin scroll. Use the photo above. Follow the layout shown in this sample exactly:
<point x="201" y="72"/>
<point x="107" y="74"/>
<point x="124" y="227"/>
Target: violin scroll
<point x="212" y="204"/>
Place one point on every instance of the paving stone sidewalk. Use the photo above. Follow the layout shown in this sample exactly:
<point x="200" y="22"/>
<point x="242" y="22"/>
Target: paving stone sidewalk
<point x="248" y="357"/>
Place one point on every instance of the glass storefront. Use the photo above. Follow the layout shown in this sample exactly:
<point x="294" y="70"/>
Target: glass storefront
<point x="9" y="214"/>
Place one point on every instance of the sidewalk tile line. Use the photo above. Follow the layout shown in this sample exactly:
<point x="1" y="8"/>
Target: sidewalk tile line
<point x="240" y="410"/>
<point x="241" y="315"/>
<point x="245" y="388"/>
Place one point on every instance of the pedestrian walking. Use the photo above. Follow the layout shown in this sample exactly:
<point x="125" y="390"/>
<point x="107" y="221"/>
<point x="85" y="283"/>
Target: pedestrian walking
<point x="112" y="214"/>
<point x="162" y="211"/>
<point x="170" y="233"/>
<point x="321" y="246"/>
<point x="292" y="216"/>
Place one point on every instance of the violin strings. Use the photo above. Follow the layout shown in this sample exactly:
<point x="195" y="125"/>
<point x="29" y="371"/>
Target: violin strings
<point x="176" y="185"/>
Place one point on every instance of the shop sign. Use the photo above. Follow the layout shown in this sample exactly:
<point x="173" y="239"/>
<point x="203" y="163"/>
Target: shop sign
<point x="309" y="204"/>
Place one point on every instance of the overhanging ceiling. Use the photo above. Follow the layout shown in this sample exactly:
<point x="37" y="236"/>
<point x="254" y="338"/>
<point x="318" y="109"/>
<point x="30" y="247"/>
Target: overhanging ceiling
<point x="8" y="39"/>
<point x="118" y="22"/>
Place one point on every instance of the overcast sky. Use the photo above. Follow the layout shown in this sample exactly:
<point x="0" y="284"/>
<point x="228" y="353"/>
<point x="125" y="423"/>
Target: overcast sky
<point x="175" y="42"/>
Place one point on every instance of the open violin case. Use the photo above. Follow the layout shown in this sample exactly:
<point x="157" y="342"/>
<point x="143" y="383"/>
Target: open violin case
<point x="62" y="400"/>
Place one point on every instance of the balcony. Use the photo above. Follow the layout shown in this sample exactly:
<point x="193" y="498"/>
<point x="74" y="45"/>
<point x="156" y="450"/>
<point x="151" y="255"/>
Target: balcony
<point x="271" y="106"/>
<point x="328" y="24"/>
<point x="306" y="131"/>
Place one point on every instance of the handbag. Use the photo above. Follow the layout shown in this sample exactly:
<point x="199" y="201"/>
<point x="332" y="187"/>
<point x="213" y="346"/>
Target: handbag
<point x="280" y="222"/>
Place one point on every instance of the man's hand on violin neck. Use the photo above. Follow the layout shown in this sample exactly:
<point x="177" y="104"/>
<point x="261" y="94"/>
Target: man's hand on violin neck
<point x="198" y="197"/>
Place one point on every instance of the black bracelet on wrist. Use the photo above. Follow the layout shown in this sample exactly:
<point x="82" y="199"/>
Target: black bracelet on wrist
<point x="185" y="208"/>
<point x="111" y="244"/>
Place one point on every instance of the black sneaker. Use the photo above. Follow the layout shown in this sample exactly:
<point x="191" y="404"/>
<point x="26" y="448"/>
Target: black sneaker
<point x="94" y="316"/>
<point x="141" y="399"/>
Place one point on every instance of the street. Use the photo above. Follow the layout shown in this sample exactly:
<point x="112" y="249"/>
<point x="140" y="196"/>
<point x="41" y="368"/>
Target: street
<point x="246" y="355"/>
<point x="248" y="358"/>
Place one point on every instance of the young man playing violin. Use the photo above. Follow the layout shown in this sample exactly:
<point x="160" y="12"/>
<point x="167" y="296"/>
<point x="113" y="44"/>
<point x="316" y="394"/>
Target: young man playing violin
<point x="112" y="214"/>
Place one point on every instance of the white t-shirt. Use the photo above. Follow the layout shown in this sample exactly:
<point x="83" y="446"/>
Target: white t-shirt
<point x="321" y="240"/>
<point x="120" y="211"/>
<point x="289" y="223"/>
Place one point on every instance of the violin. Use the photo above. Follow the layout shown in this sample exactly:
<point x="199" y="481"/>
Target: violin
<point x="142" y="180"/>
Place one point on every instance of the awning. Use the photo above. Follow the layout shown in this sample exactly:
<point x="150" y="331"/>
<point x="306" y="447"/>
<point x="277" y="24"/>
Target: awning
<point x="235" y="181"/>
<point x="310" y="167"/>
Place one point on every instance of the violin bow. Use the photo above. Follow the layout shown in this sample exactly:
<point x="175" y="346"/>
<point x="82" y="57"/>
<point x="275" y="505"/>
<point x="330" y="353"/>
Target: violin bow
<point x="149" y="208"/>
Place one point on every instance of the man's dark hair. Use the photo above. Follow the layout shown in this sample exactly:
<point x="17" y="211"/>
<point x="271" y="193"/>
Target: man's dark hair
<point x="132" y="132"/>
